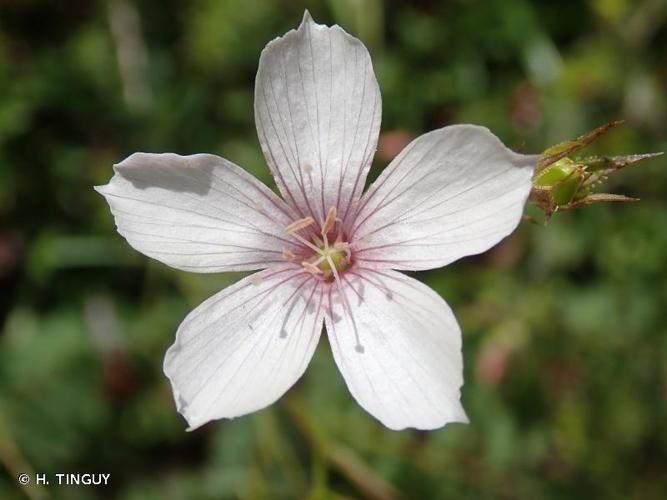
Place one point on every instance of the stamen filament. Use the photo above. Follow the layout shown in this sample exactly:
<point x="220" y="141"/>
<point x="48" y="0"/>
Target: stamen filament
<point x="326" y="255"/>
<point x="335" y="272"/>
<point x="306" y="242"/>
<point x="319" y="261"/>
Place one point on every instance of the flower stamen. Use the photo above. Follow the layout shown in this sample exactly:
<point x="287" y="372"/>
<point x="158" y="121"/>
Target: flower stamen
<point x="299" y="224"/>
<point x="311" y="268"/>
<point x="305" y="242"/>
<point x="329" y="221"/>
<point x="327" y="259"/>
<point x="288" y="255"/>
<point x="341" y="246"/>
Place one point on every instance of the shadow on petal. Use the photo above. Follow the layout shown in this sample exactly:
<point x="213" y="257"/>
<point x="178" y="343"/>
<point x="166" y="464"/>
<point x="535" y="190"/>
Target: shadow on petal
<point x="180" y="174"/>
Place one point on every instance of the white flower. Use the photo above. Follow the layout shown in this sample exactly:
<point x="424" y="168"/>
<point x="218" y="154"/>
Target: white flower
<point x="328" y="253"/>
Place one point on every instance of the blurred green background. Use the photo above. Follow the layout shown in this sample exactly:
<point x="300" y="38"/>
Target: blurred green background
<point x="565" y="326"/>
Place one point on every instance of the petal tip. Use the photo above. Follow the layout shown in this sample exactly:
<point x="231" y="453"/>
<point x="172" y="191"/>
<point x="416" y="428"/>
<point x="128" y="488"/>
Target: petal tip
<point x="307" y="22"/>
<point x="192" y="427"/>
<point x="129" y="161"/>
<point x="307" y="18"/>
<point x="183" y="408"/>
<point x="461" y="417"/>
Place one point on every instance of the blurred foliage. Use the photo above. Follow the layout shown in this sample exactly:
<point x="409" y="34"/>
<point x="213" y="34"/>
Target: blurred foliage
<point x="564" y="326"/>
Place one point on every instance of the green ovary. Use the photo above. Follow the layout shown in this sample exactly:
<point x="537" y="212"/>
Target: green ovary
<point x="338" y="259"/>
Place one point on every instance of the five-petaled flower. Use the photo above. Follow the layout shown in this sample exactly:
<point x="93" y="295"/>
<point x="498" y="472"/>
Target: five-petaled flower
<point x="328" y="253"/>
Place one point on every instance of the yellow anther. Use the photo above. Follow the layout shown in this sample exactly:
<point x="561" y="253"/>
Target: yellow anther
<point x="341" y="246"/>
<point x="329" y="221"/>
<point x="311" y="268"/>
<point x="299" y="224"/>
<point x="326" y="259"/>
<point x="288" y="254"/>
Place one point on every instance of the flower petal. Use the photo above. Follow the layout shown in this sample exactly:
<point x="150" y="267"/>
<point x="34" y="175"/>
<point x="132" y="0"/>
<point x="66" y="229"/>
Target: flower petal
<point x="244" y="347"/>
<point x="452" y="192"/>
<point x="398" y="346"/>
<point x="317" y="111"/>
<point x="198" y="213"/>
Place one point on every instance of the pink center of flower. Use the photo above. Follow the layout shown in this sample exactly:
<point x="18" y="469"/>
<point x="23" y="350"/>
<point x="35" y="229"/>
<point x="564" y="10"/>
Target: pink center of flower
<point x="324" y="254"/>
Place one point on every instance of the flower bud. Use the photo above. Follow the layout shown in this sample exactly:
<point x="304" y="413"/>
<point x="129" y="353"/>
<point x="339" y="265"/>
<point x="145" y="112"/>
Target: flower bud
<point x="565" y="182"/>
